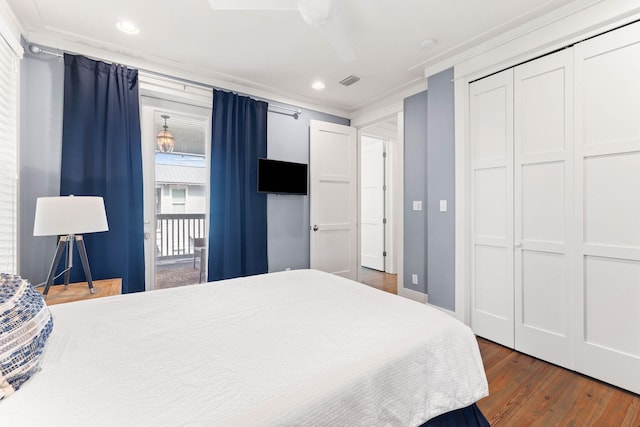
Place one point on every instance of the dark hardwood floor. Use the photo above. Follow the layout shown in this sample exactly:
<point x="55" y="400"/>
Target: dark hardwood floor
<point x="379" y="280"/>
<point x="525" y="391"/>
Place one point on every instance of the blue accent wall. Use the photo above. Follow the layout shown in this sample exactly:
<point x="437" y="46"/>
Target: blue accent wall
<point x="41" y="95"/>
<point x="415" y="163"/>
<point x="441" y="186"/>
<point x="429" y="176"/>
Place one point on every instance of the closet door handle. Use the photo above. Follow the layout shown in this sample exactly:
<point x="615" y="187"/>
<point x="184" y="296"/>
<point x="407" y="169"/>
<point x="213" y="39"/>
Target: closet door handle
<point x="517" y="244"/>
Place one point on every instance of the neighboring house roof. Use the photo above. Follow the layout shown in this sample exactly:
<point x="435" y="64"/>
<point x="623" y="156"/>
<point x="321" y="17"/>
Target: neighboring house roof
<point x="175" y="174"/>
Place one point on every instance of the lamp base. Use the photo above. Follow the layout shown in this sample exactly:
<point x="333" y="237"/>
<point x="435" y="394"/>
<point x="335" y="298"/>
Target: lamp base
<point x="67" y="242"/>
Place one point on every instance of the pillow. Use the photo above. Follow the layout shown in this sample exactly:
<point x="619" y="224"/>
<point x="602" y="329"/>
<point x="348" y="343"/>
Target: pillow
<point x="25" y="325"/>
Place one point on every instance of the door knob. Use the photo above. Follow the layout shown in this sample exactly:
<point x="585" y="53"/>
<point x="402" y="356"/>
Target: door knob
<point x="518" y="244"/>
<point x="147" y="235"/>
<point x="315" y="227"/>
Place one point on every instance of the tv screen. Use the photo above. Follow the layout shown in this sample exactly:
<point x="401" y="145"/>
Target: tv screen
<point x="275" y="176"/>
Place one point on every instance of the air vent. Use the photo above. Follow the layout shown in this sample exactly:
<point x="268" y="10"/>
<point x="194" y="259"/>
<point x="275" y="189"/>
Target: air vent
<point x="350" y="80"/>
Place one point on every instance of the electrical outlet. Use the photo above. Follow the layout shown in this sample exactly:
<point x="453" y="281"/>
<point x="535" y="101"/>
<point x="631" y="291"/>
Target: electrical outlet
<point x="287" y="269"/>
<point x="417" y="205"/>
<point x="443" y="205"/>
<point x="414" y="279"/>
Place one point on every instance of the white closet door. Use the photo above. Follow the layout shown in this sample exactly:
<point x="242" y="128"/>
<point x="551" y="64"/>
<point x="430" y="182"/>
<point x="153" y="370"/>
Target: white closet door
<point x="607" y="160"/>
<point x="491" y="136"/>
<point x="543" y="157"/>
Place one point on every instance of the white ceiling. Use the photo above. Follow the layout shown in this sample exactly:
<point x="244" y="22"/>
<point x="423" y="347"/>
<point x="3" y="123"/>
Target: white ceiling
<point x="276" y="52"/>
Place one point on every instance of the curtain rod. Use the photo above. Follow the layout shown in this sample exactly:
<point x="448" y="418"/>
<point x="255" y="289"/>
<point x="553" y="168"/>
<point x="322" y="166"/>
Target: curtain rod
<point x="295" y="113"/>
<point x="35" y="49"/>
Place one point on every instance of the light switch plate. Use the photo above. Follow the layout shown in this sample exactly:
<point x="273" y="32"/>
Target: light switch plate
<point x="443" y="205"/>
<point x="417" y="205"/>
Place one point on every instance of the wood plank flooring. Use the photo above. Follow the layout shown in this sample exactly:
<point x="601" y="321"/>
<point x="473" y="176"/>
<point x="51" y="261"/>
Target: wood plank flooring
<point x="379" y="280"/>
<point x="525" y="391"/>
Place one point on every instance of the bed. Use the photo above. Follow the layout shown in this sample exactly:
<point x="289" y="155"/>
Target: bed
<point x="295" y="348"/>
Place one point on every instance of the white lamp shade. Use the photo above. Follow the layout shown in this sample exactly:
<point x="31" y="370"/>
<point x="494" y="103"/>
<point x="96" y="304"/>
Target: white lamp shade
<point x="65" y="215"/>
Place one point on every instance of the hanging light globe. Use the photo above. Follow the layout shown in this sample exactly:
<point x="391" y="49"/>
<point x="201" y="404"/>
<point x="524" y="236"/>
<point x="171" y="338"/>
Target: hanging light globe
<point x="165" y="140"/>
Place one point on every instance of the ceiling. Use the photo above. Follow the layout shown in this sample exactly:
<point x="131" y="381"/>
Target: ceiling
<point x="276" y="51"/>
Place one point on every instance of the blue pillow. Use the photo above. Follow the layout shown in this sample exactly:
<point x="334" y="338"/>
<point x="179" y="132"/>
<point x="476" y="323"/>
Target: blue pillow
<point x="25" y="325"/>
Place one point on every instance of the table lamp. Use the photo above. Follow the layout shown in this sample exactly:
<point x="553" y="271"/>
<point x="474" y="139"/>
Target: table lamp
<point x="69" y="217"/>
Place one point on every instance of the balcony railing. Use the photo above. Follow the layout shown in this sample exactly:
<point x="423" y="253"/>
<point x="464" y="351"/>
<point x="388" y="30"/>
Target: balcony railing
<point x="175" y="234"/>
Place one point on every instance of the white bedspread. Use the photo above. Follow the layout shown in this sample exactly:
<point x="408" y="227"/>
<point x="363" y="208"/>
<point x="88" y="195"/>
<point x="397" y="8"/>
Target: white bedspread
<point x="291" y="348"/>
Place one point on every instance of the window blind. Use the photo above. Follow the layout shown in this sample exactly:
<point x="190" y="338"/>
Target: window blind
<point x="8" y="159"/>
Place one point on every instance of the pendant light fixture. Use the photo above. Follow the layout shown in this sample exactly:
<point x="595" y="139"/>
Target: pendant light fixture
<point x="165" y="139"/>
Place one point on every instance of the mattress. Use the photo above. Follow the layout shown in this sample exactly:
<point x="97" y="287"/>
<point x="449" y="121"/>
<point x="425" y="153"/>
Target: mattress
<point x="291" y="348"/>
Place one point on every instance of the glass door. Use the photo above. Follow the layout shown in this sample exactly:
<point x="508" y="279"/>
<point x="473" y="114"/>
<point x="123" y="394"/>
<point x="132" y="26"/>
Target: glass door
<point x="176" y="140"/>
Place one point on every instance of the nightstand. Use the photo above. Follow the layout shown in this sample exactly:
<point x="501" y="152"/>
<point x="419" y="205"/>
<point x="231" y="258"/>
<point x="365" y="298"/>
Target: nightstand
<point x="80" y="291"/>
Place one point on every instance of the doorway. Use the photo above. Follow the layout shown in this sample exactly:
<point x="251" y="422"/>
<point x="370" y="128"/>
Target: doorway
<point x="378" y="146"/>
<point x="373" y="220"/>
<point x="176" y="192"/>
<point x="379" y="252"/>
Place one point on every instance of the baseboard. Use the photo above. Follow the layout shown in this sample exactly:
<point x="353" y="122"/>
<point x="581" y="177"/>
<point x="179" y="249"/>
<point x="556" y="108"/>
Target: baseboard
<point x="411" y="294"/>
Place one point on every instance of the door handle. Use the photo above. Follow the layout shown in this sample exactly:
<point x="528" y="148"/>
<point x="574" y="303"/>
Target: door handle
<point x="518" y="244"/>
<point x="315" y="227"/>
<point x="147" y="236"/>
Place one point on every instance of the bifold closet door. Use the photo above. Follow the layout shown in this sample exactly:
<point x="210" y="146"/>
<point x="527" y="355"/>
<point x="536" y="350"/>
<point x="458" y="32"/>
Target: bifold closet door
<point x="607" y="160"/>
<point x="491" y="140"/>
<point x="543" y="220"/>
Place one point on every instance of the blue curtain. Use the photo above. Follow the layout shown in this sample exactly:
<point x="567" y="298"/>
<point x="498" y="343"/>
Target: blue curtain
<point x="101" y="156"/>
<point x="238" y="213"/>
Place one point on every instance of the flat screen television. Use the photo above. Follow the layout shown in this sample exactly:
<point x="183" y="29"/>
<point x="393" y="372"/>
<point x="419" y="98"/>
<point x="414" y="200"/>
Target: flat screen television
<point x="275" y="176"/>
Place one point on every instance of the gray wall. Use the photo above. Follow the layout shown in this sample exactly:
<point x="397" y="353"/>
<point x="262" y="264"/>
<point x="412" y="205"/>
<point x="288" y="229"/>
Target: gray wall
<point x="429" y="176"/>
<point x="288" y="215"/>
<point x="42" y="84"/>
<point x="441" y="186"/>
<point x="415" y="163"/>
<point x="41" y="96"/>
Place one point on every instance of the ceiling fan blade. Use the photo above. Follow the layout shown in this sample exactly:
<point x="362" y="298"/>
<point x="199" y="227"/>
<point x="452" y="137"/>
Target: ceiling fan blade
<point x="339" y="40"/>
<point x="254" y="4"/>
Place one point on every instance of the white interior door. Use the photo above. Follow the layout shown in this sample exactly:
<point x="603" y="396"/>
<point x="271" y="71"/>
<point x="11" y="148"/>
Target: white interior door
<point x="607" y="158"/>
<point x="372" y="203"/>
<point x="491" y="132"/>
<point x="543" y="158"/>
<point x="333" y="199"/>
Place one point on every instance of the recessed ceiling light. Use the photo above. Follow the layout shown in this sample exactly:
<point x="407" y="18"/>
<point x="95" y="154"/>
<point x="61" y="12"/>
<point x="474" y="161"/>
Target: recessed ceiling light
<point x="318" y="85"/>
<point x="127" y="27"/>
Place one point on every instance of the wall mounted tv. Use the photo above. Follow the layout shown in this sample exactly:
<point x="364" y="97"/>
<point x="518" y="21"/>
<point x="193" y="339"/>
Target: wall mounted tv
<point x="275" y="176"/>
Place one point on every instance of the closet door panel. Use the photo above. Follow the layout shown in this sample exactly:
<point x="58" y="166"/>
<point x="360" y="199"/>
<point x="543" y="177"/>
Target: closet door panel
<point x="607" y="156"/>
<point x="607" y="282"/>
<point x="616" y="73"/>
<point x="491" y="131"/>
<point x="543" y="276"/>
<point x="543" y="194"/>
<point x="612" y="200"/>
<point x="490" y="201"/>
<point x="543" y="95"/>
